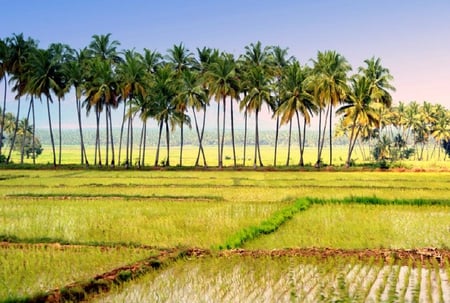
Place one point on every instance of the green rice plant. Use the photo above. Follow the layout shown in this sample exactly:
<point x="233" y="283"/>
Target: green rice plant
<point x="26" y="270"/>
<point x="266" y="227"/>
<point x="355" y="226"/>
<point x="157" y="223"/>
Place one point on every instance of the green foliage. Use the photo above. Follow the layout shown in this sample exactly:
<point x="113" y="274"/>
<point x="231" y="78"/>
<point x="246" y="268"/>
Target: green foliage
<point x="267" y="226"/>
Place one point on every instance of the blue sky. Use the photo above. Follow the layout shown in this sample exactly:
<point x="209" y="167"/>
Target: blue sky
<point x="410" y="37"/>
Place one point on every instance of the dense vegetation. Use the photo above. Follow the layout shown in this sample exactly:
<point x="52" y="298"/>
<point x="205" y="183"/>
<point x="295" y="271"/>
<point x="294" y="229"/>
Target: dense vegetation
<point x="176" y="88"/>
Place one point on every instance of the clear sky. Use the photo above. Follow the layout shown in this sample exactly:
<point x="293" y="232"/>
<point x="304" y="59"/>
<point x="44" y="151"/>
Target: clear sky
<point x="411" y="37"/>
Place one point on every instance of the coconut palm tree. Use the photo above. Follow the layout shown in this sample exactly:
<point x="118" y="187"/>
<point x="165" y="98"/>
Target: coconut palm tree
<point x="358" y="111"/>
<point x="222" y="83"/>
<point x="330" y="79"/>
<point x="43" y="78"/>
<point x="280" y="61"/>
<point x="260" y="93"/>
<point x="20" y="50"/>
<point x="295" y="100"/>
<point x="193" y="95"/>
<point x="4" y="57"/>
<point x="74" y="70"/>
<point x="132" y="78"/>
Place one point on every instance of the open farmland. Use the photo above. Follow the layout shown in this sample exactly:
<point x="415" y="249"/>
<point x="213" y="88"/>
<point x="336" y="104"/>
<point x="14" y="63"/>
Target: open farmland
<point x="172" y="235"/>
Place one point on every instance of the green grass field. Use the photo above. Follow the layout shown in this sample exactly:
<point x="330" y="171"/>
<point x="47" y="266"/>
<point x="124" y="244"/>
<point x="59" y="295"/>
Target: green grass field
<point x="62" y="225"/>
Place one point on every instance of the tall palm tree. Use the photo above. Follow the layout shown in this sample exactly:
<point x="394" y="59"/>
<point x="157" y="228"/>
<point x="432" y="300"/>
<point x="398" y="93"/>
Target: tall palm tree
<point x="163" y="92"/>
<point x="4" y="57"/>
<point x="43" y="78"/>
<point x="181" y="59"/>
<point x="61" y="55"/>
<point x="105" y="56"/>
<point x="280" y="61"/>
<point x="74" y="70"/>
<point x="20" y="50"/>
<point x="222" y="82"/>
<point x="330" y="79"/>
<point x="192" y="94"/>
<point x="259" y="93"/>
<point x="132" y="80"/>
<point x="295" y="100"/>
<point x="358" y="111"/>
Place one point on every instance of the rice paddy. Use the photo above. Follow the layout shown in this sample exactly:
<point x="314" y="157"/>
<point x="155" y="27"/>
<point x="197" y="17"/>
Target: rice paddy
<point x="71" y="233"/>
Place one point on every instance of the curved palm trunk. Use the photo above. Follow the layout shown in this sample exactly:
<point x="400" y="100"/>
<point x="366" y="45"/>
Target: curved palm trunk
<point x="232" y="133"/>
<point x="84" y="159"/>
<point x="289" y="143"/>
<point x="159" y="143"/>
<point x="3" y="115"/>
<point x="321" y="138"/>
<point x="141" y="143"/>
<point x="200" y="137"/>
<point x="257" y="148"/>
<point x="245" y="135"/>
<point x="13" y="141"/>
<point x="24" y="135"/>
<point x="59" y="130"/>
<point x="51" y="131"/>
<point x="277" y="129"/>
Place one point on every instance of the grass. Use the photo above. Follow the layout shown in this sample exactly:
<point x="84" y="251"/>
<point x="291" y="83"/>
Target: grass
<point x="27" y="270"/>
<point x="156" y="223"/>
<point x="363" y="226"/>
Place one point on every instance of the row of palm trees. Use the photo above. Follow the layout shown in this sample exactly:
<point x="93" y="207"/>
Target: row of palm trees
<point x="180" y="85"/>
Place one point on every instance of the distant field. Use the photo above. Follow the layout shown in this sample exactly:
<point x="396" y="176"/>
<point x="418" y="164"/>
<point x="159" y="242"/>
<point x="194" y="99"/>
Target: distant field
<point x="71" y="225"/>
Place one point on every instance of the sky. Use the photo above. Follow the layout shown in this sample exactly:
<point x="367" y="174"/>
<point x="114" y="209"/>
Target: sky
<point x="410" y="36"/>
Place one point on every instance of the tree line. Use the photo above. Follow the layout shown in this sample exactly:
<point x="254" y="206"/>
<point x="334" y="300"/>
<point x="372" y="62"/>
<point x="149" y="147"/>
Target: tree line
<point x="176" y="90"/>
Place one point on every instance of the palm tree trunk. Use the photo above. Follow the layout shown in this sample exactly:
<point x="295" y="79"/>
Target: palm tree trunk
<point x="24" y="135"/>
<point x="131" y="140"/>
<point x="200" y="145"/>
<point x="144" y="125"/>
<point x="97" y="112"/>
<point x="350" y="143"/>
<point x="318" y="141"/>
<point x="51" y="131"/>
<point x="289" y="143"/>
<point x="127" y="161"/>
<point x="181" y="143"/>
<point x="59" y="130"/>
<point x="84" y="159"/>
<point x="107" y="134"/>
<point x="3" y="115"/>
<point x="277" y="129"/>
<point x="159" y="143"/>
<point x="299" y="137"/>
<point x="245" y="135"/>
<point x="302" y="148"/>
<point x="331" y="135"/>
<point x="13" y="141"/>
<point x="232" y="132"/>
<point x="140" y="146"/>
<point x="167" y="143"/>
<point x="321" y="144"/>
<point x="34" y="130"/>
<point x="121" y="128"/>
<point x="219" y="162"/>
<point x="223" y="131"/>
<point x="113" y="159"/>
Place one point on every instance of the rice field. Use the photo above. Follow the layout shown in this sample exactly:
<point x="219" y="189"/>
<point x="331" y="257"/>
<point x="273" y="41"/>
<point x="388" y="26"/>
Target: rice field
<point x="64" y="229"/>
